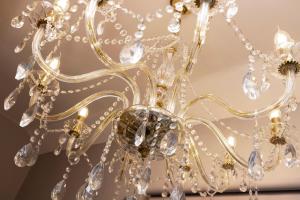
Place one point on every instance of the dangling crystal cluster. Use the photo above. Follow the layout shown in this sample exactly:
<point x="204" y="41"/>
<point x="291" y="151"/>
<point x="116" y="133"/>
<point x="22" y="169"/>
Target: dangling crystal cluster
<point x="143" y="180"/>
<point x="29" y="115"/>
<point x="24" y="68"/>
<point x="177" y="193"/>
<point x="290" y="155"/>
<point x="140" y="134"/>
<point x="96" y="177"/>
<point x="27" y="155"/>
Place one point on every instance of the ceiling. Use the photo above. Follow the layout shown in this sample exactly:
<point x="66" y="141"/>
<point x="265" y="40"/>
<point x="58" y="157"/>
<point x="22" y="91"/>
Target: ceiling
<point x="220" y="69"/>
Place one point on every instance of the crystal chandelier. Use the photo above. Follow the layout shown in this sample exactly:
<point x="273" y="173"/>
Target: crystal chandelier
<point x="150" y="121"/>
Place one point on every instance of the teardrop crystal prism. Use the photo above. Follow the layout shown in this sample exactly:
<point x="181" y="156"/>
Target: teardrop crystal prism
<point x="23" y="69"/>
<point x="177" y="193"/>
<point x="255" y="166"/>
<point x="85" y="193"/>
<point x="132" y="53"/>
<point x="290" y="156"/>
<point x="29" y="115"/>
<point x="143" y="181"/>
<point x="250" y="86"/>
<point x="17" y="22"/>
<point x="59" y="190"/>
<point x="96" y="177"/>
<point x="243" y="186"/>
<point x="232" y="10"/>
<point x="140" y="134"/>
<point x="168" y="143"/>
<point x="11" y="100"/>
<point x="19" y="48"/>
<point x="27" y="155"/>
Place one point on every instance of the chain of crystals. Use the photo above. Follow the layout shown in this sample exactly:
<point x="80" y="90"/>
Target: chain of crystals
<point x="19" y="48"/>
<point x="206" y="109"/>
<point x="88" y="160"/>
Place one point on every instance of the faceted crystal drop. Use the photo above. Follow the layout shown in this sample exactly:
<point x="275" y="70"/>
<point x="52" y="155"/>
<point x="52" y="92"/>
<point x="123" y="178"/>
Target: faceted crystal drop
<point x="250" y="86"/>
<point x="231" y="11"/>
<point x="85" y="193"/>
<point x="11" y="100"/>
<point x="19" y="48"/>
<point x="177" y="193"/>
<point x="100" y="29"/>
<point x="290" y="155"/>
<point x="169" y="143"/>
<point x="296" y="51"/>
<point x="59" y="191"/>
<point x="17" y="22"/>
<point x="27" y="155"/>
<point x="174" y="25"/>
<point x="243" y="187"/>
<point x="132" y="53"/>
<point x="29" y="115"/>
<point x="144" y="180"/>
<point x="255" y="166"/>
<point x="140" y="134"/>
<point x="23" y="69"/>
<point x="96" y="176"/>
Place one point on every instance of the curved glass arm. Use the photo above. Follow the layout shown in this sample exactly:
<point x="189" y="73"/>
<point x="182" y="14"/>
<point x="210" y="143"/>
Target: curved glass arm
<point x="83" y="77"/>
<point x="97" y="96"/>
<point x="289" y="88"/>
<point x="223" y="141"/>
<point x="90" y="30"/>
<point x="194" y="153"/>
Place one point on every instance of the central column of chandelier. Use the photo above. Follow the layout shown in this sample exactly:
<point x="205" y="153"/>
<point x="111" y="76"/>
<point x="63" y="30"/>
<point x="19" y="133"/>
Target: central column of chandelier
<point x="158" y="126"/>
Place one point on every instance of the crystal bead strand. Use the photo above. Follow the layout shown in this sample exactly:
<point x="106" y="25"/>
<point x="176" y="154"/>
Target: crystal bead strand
<point x="19" y="48"/>
<point x="59" y="189"/>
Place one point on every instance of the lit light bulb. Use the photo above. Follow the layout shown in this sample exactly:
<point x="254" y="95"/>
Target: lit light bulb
<point x="275" y="114"/>
<point x="283" y="40"/>
<point x="62" y="5"/>
<point x="83" y="112"/>
<point x="54" y="63"/>
<point x="231" y="141"/>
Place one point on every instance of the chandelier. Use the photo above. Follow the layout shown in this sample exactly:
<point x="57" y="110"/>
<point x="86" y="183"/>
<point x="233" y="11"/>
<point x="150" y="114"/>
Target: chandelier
<point x="150" y="119"/>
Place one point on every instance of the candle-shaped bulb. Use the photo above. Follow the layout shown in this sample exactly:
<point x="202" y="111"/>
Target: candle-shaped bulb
<point x="283" y="40"/>
<point x="275" y="114"/>
<point x="83" y="112"/>
<point x="231" y="141"/>
<point x="61" y="5"/>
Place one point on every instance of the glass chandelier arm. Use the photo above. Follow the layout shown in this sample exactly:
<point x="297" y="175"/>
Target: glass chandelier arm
<point x="219" y="135"/>
<point x="289" y="88"/>
<point x="83" y="77"/>
<point x="195" y="155"/>
<point x="152" y="86"/>
<point x="97" y="96"/>
<point x="91" y="34"/>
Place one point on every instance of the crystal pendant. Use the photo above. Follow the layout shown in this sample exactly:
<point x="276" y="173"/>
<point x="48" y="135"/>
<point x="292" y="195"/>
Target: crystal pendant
<point x="29" y="115"/>
<point x="23" y="69"/>
<point x="17" y="22"/>
<point x="250" y="86"/>
<point x="255" y="166"/>
<point x="177" y="193"/>
<point x="100" y="29"/>
<point x="169" y="143"/>
<point x="132" y="53"/>
<point x="85" y="193"/>
<point x="11" y="100"/>
<point x="27" y="155"/>
<point x="59" y="191"/>
<point x="140" y="134"/>
<point x="96" y="177"/>
<point x="296" y="51"/>
<point x="174" y="26"/>
<point x="290" y="156"/>
<point x="243" y="186"/>
<point x="19" y="48"/>
<point x="143" y="181"/>
<point x="232" y="10"/>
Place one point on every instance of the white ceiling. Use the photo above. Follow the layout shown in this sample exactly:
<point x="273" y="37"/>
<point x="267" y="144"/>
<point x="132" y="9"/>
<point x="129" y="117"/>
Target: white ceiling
<point x="222" y="64"/>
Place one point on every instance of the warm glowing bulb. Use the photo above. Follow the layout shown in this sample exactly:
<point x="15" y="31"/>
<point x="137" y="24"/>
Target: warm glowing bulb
<point x="62" y="5"/>
<point x="283" y="40"/>
<point x="83" y="112"/>
<point x="231" y="141"/>
<point x="54" y="63"/>
<point x="275" y="114"/>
